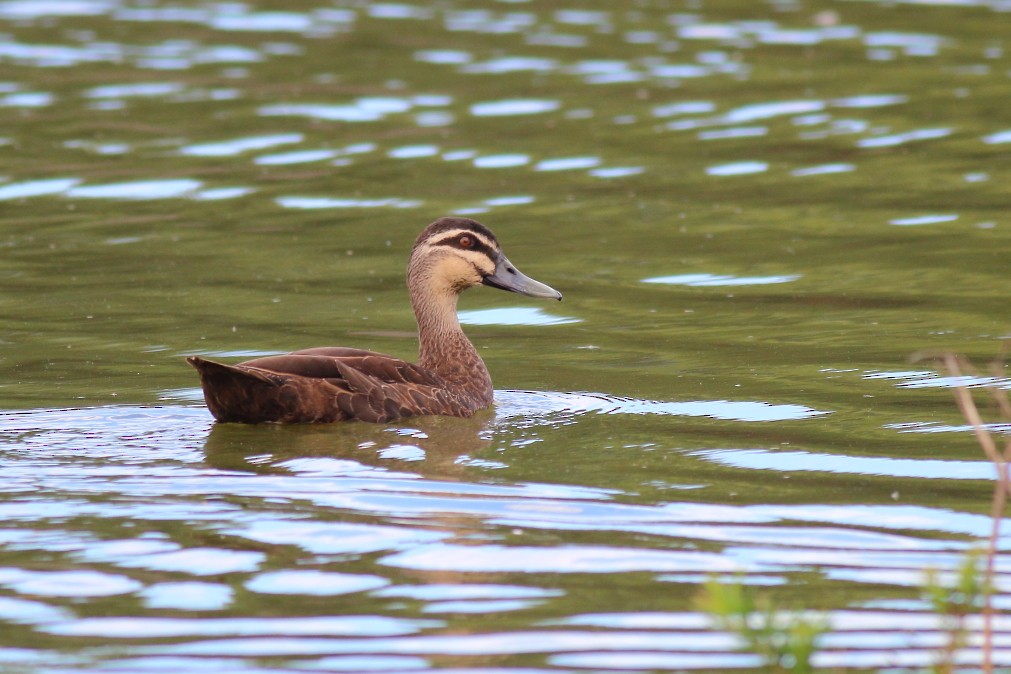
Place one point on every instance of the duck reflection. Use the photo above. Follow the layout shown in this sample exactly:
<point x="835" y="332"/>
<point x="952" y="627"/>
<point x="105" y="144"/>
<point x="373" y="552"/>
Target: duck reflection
<point x="428" y="446"/>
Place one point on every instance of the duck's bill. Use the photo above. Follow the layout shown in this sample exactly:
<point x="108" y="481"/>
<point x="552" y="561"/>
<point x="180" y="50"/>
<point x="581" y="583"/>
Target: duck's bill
<point x="508" y="277"/>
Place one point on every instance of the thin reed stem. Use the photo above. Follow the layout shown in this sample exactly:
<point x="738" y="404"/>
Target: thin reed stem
<point x="967" y="406"/>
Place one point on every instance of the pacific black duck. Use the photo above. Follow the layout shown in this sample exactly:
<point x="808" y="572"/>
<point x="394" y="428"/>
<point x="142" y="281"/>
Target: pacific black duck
<point x="333" y="383"/>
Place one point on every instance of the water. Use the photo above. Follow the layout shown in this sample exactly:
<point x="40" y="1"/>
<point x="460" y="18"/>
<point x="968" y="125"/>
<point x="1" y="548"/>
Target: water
<point x="756" y="213"/>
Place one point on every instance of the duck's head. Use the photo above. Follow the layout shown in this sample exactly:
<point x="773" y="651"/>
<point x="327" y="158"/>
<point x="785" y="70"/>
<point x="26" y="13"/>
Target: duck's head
<point x="454" y="254"/>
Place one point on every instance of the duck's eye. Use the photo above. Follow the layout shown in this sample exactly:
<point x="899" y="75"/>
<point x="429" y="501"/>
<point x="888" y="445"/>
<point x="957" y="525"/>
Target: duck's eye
<point x="466" y="241"/>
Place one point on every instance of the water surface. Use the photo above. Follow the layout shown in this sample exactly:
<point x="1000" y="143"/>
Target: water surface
<point x="756" y="213"/>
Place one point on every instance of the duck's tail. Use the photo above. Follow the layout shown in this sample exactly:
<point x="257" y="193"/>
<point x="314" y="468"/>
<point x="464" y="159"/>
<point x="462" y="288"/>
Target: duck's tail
<point x="235" y="393"/>
<point x="252" y="395"/>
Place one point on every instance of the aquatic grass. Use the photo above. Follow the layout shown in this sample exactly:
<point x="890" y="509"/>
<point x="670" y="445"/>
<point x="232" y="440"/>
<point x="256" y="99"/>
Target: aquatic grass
<point x="786" y="641"/>
<point x="968" y="589"/>
<point x="954" y="603"/>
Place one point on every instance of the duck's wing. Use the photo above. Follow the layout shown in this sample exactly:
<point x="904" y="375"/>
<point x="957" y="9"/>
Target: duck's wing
<point x="334" y="352"/>
<point x="366" y="385"/>
<point x="380" y="388"/>
<point x="332" y="362"/>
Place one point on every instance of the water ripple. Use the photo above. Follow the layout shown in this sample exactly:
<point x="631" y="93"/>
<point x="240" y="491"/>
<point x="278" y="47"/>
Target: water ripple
<point x="361" y="110"/>
<point x="501" y="161"/>
<point x="738" y="168"/>
<point x="34" y="9"/>
<point x="756" y="111"/>
<point x="137" y="627"/>
<point x="735" y="132"/>
<point x="28" y="611"/>
<point x="524" y="403"/>
<point x="684" y="108"/>
<point x="36" y="188"/>
<point x="334" y="537"/>
<point x="903" y="138"/>
<point x="313" y="582"/>
<point x="67" y="583"/>
<point x="568" y="559"/>
<point x="443" y="56"/>
<point x="443" y="592"/>
<point x="27" y="99"/>
<point x="924" y="219"/>
<point x="413" y="151"/>
<point x="510" y="107"/>
<point x="823" y="169"/>
<point x="236" y="146"/>
<point x="794" y="461"/>
<point x="137" y="89"/>
<point x="139" y="190"/>
<point x="709" y="280"/>
<point x="299" y="157"/>
<point x="312" y="203"/>
<point x="187" y="596"/>
<point x="567" y="163"/>
<point x="616" y="171"/>
<point x="513" y="316"/>
<point x="510" y="64"/>
<point x="870" y="101"/>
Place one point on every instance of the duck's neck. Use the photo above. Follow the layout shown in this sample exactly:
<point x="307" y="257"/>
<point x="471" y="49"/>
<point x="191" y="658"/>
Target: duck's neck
<point x="445" y="349"/>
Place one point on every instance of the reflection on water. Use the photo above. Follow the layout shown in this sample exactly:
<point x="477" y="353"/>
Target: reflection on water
<point x="756" y="213"/>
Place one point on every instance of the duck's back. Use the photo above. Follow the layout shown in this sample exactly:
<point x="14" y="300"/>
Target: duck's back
<point x="326" y="384"/>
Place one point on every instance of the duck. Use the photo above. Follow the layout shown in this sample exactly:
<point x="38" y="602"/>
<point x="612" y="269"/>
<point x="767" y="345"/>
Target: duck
<point x="333" y="383"/>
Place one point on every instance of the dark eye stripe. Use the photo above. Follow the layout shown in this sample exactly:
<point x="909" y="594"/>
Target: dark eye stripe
<point x="478" y="245"/>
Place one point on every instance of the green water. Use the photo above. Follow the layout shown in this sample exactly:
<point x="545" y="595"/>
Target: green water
<point x="756" y="212"/>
